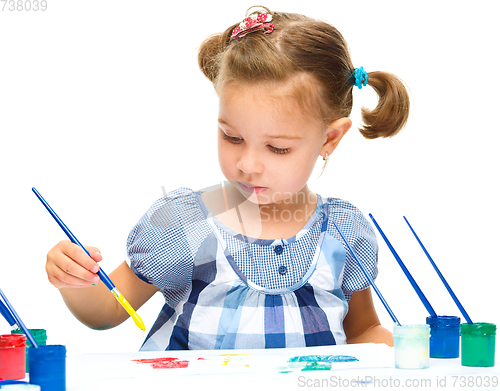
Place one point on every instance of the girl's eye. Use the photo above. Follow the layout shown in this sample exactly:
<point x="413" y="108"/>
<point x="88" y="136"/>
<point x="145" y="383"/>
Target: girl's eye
<point x="237" y="140"/>
<point x="234" y="140"/>
<point x="279" y="150"/>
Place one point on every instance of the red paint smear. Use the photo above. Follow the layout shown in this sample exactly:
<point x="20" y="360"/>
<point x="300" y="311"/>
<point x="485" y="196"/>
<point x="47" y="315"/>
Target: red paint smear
<point x="164" y="362"/>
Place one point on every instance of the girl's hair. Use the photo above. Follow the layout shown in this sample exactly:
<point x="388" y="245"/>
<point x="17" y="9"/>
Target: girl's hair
<point x="314" y="53"/>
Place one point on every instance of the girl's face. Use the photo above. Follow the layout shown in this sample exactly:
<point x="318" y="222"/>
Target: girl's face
<point x="267" y="147"/>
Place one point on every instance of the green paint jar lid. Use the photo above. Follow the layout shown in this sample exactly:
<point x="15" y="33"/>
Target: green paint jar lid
<point x="478" y="329"/>
<point x="40" y="335"/>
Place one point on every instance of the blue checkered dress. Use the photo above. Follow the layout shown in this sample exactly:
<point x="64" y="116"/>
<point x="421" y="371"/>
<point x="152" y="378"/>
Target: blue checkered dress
<point x="226" y="291"/>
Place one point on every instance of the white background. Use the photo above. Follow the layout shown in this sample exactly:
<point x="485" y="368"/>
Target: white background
<point x="102" y="104"/>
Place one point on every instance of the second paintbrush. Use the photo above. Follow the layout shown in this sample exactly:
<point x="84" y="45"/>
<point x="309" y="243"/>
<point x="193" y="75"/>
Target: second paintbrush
<point x="102" y="275"/>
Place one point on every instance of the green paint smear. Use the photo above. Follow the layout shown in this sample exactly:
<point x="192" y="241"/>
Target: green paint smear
<point x="314" y="363"/>
<point x="316" y="366"/>
<point x="325" y="359"/>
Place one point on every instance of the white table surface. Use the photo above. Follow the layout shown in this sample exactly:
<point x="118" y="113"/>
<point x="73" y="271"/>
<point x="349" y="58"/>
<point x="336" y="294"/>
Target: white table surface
<point x="261" y="370"/>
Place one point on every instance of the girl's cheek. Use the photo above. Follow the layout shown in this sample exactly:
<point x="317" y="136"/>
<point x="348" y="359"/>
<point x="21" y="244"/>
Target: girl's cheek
<point x="226" y="169"/>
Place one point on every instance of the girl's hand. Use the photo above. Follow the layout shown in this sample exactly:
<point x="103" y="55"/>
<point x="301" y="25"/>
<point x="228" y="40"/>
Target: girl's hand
<point x="69" y="267"/>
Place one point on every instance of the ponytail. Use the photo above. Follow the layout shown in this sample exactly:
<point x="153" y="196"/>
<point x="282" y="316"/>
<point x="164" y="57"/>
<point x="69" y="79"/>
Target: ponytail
<point x="393" y="108"/>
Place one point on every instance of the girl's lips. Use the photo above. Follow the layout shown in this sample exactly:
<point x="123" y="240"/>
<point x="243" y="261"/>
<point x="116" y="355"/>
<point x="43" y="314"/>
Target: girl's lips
<point x="249" y="188"/>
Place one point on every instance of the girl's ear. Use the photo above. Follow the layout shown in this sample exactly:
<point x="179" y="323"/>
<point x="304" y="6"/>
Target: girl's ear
<point x="334" y="133"/>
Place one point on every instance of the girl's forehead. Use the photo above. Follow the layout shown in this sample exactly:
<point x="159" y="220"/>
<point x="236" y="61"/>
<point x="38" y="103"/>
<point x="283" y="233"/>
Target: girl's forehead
<point x="296" y="97"/>
<point x="301" y="83"/>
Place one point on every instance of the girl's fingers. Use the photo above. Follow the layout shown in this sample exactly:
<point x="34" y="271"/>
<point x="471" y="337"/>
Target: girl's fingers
<point x="94" y="252"/>
<point x="70" y="274"/>
<point x="75" y="270"/>
<point x="60" y="279"/>
<point x="69" y="266"/>
<point x="79" y="256"/>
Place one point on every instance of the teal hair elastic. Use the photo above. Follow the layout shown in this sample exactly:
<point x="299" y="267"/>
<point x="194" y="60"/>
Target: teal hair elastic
<point x="360" y="77"/>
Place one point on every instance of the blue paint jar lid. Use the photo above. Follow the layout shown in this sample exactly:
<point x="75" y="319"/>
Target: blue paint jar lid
<point x="47" y="352"/>
<point x="443" y="322"/>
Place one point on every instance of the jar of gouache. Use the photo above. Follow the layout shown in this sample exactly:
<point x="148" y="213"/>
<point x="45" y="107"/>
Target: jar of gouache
<point x="12" y="357"/>
<point x="478" y="344"/>
<point x="445" y="336"/>
<point x="48" y="367"/>
<point x="411" y="346"/>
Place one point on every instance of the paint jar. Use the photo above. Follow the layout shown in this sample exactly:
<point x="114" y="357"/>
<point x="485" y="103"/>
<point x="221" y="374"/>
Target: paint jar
<point x="478" y="344"/>
<point x="48" y="367"/>
<point x="445" y="336"/>
<point x="12" y="357"/>
<point x="411" y="346"/>
<point x="40" y="336"/>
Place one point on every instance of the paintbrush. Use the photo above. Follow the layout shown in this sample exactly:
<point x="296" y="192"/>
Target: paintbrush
<point x="448" y="287"/>
<point x="368" y="277"/>
<point x="12" y="314"/>
<point x="103" y="276"/>
<point x="7" y="315"/>
<point x="406" y="271"/>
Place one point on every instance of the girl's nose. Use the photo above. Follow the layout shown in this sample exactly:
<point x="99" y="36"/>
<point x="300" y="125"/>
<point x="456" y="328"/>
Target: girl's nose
<point x="249" y="162"/>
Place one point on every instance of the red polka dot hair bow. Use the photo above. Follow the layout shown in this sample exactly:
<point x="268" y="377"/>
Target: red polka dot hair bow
<point x="253" y="23"/>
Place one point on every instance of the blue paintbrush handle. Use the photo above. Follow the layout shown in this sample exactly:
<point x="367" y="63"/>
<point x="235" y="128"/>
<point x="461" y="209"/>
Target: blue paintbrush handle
<point x="406" y="271"/>
<point x="368" y="277"/>
<point x="103" y="276"/>
<point x="6" y="314"/>
<point x="18" y="320"/>
<point x="448" y="287"/>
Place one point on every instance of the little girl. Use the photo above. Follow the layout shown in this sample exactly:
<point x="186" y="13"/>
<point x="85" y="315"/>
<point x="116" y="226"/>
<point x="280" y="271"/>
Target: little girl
<point x="257" y="261"/>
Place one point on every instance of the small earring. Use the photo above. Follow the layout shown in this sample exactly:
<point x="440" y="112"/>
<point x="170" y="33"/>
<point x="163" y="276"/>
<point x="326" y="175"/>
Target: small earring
<point x="325" y="159"/>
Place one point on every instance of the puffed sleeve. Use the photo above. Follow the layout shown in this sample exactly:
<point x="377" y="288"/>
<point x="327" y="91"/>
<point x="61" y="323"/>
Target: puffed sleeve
<point x="161" y="246"/>
<point x="361" y="237"/>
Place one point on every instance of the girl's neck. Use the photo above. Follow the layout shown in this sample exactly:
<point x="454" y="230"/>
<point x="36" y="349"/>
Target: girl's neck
<point x="283" y="219"/>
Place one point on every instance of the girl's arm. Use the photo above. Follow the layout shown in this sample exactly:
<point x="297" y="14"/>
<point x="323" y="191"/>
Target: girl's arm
<point x="361" y="323"/>
<point x="73" y="272"/>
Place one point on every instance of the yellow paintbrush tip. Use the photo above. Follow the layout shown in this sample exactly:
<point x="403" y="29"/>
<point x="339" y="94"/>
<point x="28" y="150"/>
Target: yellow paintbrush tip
<point x="126" y="305"/>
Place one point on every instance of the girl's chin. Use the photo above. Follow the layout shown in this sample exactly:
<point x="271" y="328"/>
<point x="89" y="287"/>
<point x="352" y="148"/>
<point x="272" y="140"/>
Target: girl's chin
<point x="261" y="195"/>
<point x="255" y="198"/>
